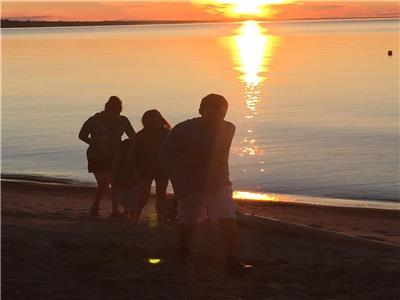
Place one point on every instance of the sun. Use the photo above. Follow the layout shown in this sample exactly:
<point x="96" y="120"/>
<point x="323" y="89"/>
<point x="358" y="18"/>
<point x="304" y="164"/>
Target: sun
<point x="251" y="7"/>
<point x="240" y="8"/>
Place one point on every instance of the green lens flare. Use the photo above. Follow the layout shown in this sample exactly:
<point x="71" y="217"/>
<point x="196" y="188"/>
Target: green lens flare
<point x="154" y="260"/>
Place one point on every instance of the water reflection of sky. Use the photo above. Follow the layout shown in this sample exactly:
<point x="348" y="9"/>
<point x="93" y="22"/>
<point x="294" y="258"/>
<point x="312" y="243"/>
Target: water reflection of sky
<point x="314" y="102"/>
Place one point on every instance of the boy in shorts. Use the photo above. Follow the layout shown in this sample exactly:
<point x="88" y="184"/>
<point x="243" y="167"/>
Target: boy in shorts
<point x="195" y="157"/>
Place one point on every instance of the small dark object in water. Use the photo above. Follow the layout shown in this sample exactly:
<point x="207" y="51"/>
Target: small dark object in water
<point x="390" y="52"/>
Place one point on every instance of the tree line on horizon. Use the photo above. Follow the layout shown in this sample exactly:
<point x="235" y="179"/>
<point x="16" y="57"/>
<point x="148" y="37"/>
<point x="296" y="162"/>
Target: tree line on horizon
<point x="9" y="23"/>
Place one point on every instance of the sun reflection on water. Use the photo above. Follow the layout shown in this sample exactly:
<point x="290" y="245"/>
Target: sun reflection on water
<point x="253" y="51"/>
<point x="242" y="195"/>
<point x="250" y="45"/>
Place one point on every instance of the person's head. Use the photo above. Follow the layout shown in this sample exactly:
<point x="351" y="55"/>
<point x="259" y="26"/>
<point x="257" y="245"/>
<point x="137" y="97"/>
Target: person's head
<point x="213" y="108"/>
<point x="113" y="107"/>
<point x="154" y="119"/>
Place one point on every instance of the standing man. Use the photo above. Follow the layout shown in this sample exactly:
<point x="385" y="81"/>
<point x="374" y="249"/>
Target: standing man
<point x="195" y="157"/>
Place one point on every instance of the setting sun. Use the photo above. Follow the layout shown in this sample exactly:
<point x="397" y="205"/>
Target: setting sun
<point x="240" y="8"/>
<point x="252" y="7"/>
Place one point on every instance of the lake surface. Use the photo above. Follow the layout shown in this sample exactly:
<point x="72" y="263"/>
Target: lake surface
<point x="315" y="103"/>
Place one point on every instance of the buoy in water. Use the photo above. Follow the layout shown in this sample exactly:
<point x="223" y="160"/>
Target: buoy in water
<point x="390" y="52"/>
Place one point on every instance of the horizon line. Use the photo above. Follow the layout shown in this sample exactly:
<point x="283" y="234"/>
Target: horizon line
<point x="160" y="21"/>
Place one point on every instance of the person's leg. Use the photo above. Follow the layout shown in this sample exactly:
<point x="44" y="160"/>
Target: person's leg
<point x="228" y="235"/>
<point x="123" y="195"/>
<point x="114" y="200"/>
<point x="222" y="208"/>
<point x="185" y="232"/>
<point x="173" y="207"/>
<point x="190" y="209"/>
<point x="135" y="204"/>
<point x="161" y="193"/>
<point x="145" y="187"/>
<point x="103" y="182"/>
<point x="233" y="265"/>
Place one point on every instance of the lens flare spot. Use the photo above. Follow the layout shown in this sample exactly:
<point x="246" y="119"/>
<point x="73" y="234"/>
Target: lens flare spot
<point x="154" y="261"/>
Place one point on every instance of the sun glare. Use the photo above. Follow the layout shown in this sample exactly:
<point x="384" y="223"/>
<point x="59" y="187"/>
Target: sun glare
<point x="241" y="195"/>
<point x="242" y="8"/>
<point x="251" y="43"/>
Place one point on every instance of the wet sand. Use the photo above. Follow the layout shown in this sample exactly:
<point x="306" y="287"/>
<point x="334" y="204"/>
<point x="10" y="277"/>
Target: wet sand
<point x="52" y="250"/>
<point x="367" y="223"/>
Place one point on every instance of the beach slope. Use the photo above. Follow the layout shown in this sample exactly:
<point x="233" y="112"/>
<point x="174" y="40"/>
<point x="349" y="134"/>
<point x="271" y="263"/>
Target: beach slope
<point x="52" y="250"/>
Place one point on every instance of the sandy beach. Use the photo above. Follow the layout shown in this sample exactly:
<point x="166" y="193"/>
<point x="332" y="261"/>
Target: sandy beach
<point x="52" y="250"/>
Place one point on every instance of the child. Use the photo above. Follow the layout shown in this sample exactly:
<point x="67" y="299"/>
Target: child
<point x="147" y="146"/>
<point x="125" y="180"/>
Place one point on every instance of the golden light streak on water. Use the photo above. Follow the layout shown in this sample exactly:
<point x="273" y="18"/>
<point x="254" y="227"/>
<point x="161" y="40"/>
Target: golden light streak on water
<point x="253" y="51"/>
<point x="250" y="45"/>
<point x="255" y="196"/>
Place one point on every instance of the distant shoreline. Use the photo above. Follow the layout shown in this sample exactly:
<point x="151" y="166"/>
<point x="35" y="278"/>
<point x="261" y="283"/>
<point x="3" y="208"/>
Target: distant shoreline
<point x="7" y="23"/>
<point x="23" y="24"/>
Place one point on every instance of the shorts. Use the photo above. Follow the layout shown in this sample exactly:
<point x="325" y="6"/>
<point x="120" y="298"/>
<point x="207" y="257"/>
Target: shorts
<point x="99" y="165"/>
<point x="129" y="197"/>
<point x="200" y="207"/>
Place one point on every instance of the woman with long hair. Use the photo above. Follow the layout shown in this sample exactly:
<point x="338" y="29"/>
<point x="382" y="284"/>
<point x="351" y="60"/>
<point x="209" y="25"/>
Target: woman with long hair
<point x="146" y="148"/>
<point x="103" y="132"/>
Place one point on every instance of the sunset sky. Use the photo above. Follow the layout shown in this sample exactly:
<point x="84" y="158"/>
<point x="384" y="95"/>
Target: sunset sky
<point x="196" y="9"/>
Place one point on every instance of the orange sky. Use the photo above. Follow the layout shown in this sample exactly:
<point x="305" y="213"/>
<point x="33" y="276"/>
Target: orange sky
<point x="186" y="10"/>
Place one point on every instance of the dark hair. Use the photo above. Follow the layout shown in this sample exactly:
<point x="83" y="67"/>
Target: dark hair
<point x="152" y="114"/>
<point x="113" y="104"/>
<point x="214" y="101"/>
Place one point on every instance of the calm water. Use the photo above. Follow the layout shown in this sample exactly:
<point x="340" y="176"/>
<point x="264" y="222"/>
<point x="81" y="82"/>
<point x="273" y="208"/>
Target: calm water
<point x="315" y="103"/>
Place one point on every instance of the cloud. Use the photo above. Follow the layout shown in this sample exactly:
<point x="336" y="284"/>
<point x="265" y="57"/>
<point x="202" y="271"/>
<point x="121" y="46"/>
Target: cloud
<point x="185" y="10"/>
<point x="322" y="7"/>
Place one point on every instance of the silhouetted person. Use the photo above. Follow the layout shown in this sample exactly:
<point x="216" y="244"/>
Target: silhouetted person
<point x="125" y="182"/>
<point x="103" y="132"/>
<point x="146" y="148"/>
<point x="195" y="157"/>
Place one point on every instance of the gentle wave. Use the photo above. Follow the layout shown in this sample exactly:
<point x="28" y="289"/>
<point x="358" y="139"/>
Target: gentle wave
<point x="38" y="178"/>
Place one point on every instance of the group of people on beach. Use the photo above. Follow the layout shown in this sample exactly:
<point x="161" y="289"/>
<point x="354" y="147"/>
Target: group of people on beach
<point x="193" y="155"/>
<point x="128" y="166"/>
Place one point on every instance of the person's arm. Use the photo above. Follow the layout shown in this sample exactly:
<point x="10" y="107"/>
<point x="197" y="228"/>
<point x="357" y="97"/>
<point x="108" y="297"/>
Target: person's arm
<point x="84" y="133"/>
<point x="130" y="132"/>
<point x="231" y="134"/>
<point x="171" y="158"/>
<point x="131" y="162"/>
